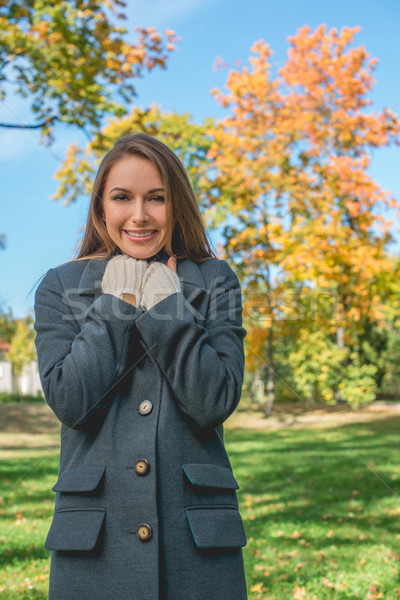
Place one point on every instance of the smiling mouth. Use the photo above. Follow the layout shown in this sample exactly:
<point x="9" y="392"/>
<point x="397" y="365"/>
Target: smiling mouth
<point x="134" y="234"/>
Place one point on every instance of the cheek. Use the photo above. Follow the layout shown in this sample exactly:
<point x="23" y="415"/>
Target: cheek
<point x="114" y="216"/>
<point x="163" y="217"/>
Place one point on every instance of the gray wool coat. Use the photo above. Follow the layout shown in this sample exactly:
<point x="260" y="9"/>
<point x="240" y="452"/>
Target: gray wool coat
<point x="146" y="505"/>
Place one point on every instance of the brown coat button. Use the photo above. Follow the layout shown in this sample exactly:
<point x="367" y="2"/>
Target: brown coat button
<point x="142" y="467"/>
<point x="144" y="532"/>
<point x="145" y="407"/>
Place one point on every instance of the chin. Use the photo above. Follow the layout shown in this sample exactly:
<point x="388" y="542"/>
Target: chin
<point x="140" y="254"/>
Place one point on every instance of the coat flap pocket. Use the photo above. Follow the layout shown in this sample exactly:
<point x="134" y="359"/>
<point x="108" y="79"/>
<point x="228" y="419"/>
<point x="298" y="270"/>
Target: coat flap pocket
<point x="210" y="475"/>
<point x="216" y="527"/>
<point x="75" y="529"/>
<point x="81" y="479"/>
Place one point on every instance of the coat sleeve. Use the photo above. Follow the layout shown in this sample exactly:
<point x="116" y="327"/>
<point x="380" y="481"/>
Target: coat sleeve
<point x="78" y="365"/>
<point x="203" y="363"/>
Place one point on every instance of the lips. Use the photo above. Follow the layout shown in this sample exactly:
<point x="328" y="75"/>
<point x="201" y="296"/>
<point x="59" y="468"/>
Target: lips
<point x="140" y="233"/>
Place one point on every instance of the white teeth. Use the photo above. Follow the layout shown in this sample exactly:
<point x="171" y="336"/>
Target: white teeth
<point x="132" y="234"/>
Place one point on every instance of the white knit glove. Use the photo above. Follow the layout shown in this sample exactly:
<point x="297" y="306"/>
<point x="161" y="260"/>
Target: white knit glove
<point x="124" y="275"/>
<point x="159" y="282"/>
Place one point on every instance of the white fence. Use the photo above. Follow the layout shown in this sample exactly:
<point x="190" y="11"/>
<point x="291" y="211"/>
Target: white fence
<point x="26" y="383"/>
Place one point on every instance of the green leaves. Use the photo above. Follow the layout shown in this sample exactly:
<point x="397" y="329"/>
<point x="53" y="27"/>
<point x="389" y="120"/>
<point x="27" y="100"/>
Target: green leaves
<point x="22" y="350"/>
<point x="71" y="58"/>
<point x="189" y="140"/>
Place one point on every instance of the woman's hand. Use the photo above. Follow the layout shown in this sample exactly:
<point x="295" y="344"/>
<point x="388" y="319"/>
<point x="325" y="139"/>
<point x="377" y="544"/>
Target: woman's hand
<point x="171" y="263"/>
<point x="159" y="282"/>
<point x="134" y="300"/>
<point x="123" y="278"/>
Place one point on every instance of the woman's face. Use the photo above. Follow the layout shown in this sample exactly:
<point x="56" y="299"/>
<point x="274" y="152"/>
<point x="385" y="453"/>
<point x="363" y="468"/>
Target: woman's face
<point x="133" y="204"/>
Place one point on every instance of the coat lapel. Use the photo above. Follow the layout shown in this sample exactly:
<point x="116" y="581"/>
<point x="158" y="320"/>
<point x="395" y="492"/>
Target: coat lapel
<point x="192" y="281"/>
<point x="90" y="281"/>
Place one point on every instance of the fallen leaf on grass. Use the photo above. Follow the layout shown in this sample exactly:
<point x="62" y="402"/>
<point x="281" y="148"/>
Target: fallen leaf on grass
<point x="257" y="587"/>
<point x="299" y="592"/>
<point x="330" y="533"/>
<point x="295" y="534"/>
<point x="373" y="592"/>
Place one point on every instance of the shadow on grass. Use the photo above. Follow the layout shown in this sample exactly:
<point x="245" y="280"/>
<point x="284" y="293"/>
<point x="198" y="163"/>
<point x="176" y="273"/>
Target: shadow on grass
<point x="16" y="556"/>
<point x="316" y="476"/>
<point x="26" y="418"/>
<point x="344" y="478"/>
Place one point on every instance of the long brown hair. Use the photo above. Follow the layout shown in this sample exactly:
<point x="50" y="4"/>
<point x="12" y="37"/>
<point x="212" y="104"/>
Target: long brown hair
<point x="186" y="236"/>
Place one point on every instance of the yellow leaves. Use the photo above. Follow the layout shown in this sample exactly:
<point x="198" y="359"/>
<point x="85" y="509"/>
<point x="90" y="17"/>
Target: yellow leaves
<point x="373" y="592"/>
<point x="40" y="28"/>
<point x="334" y="586"/>
<point x="74" y="69"/>
<point x="330" y="533"/>
<point x="54" y="38"/>
<point x="296" y="534"/>
<point x="111" y="63"/>
<point x="299" y="592"/>
<point x="257" y="587"/>
<point x="86" y="14"/>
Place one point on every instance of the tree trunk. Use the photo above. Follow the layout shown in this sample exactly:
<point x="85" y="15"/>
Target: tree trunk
<point x="270" y="381"/>
<point x="340" y="345"/>
<point x="258" y="389"/>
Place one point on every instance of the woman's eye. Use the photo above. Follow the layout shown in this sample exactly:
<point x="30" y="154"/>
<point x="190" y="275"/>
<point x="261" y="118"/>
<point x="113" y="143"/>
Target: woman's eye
<point x="121" y="197"/>
<point x="157" y="198"/>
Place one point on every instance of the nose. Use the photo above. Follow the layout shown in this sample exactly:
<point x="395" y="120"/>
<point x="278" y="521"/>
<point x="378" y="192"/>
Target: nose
<point x="139" y="212"/>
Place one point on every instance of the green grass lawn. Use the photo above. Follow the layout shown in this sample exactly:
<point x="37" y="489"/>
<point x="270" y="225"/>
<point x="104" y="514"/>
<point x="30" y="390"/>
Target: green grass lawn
<point x="321" y="510"/>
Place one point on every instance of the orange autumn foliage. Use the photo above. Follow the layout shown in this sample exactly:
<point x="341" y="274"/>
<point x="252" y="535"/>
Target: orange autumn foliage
<point x="291" y="162"/>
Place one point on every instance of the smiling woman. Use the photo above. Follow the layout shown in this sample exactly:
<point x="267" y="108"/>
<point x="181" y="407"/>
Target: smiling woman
<point x="134" y="207"/>
<point x="140" y="348"/>
<point x="145" y="187"/>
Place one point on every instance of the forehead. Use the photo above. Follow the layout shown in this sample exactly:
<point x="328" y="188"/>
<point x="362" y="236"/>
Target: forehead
<point x="134" y="171"/>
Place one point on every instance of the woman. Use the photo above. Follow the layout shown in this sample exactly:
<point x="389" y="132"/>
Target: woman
<point x="140" y="349"/>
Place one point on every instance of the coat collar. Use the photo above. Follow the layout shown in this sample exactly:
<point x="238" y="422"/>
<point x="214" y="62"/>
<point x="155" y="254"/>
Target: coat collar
<point x="191" y="278"/>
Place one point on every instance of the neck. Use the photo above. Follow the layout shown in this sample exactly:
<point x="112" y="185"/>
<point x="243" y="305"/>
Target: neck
<point x="161" y="256"/>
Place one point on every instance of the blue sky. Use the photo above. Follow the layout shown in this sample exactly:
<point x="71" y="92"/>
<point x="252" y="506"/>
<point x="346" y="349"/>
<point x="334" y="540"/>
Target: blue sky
<point x="42" y="233"/>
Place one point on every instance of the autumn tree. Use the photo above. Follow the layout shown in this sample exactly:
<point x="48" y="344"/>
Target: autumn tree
<point x="385" y="340"/>
<point x="73" y="60"/>
<point x="8" y="324"/>
<point x="20" y="334"/>
<point x="22" y="350"/>
<point x="304" y="221"/>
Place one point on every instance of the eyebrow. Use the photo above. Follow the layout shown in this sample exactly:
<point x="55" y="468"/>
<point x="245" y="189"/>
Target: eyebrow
<point x="129" y="191"/>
